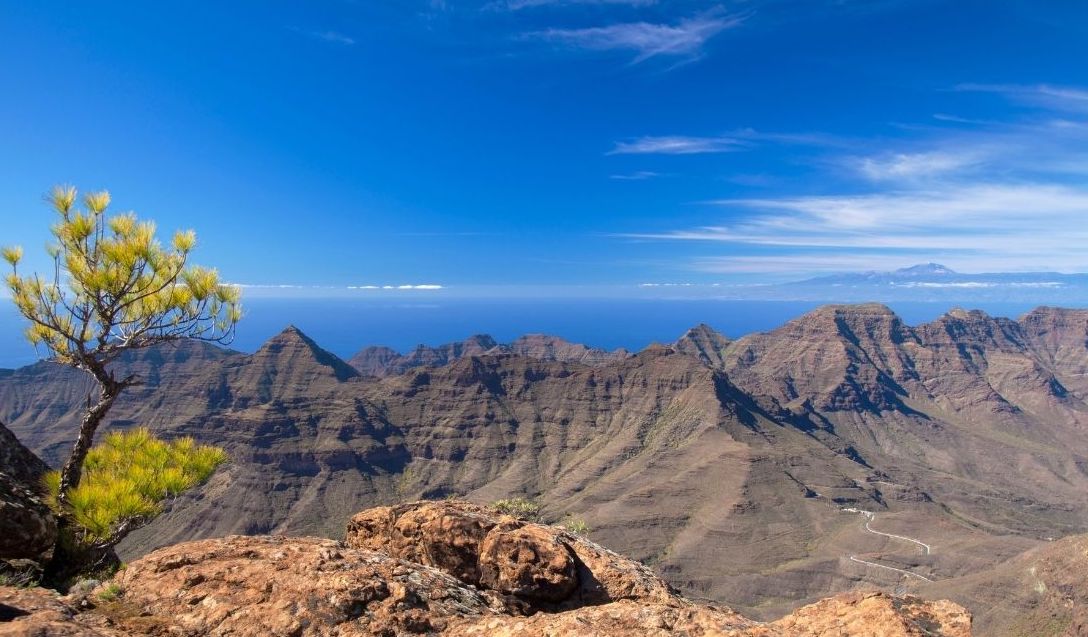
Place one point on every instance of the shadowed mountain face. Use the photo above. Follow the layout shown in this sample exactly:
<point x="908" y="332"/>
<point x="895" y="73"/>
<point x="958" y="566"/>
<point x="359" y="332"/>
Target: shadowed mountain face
<point x="727" y="465"/>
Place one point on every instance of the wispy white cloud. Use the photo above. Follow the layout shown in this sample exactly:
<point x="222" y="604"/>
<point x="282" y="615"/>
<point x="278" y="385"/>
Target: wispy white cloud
<point x="639" y="175"/>
<point x="677" y="145"/>
<point x="795" y="265"/>
<point x="645" y="39"/>
<point x="912" y="166"/>
<point x="334" y="37"/>
<point x="1061" y="98"/>
<point x="737" y="140"/>
<point x="515" y="5"/>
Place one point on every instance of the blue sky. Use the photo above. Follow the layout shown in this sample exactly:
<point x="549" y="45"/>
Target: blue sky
<point x="559" y="145"/>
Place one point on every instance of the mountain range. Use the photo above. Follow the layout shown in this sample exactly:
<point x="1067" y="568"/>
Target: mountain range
<point x="843" y="449"/>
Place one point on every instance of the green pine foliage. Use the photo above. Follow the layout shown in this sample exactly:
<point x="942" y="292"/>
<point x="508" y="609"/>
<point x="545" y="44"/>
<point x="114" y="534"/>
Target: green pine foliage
<point x="127" y="477"/>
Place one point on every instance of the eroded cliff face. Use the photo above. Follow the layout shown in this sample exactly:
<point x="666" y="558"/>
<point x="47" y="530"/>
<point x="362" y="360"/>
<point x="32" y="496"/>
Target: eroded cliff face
<point x="445" y="568"/>
<point x="724" y="465"/>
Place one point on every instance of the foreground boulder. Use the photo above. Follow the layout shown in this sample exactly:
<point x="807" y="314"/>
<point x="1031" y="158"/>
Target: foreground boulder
<point x="448" y="568"/>
<point x="545" y="567"/>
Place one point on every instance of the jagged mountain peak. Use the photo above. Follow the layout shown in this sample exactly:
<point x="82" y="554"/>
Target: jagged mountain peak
<point x="961" y="315"/>
<point x="383" y="361"/>
<point x="705" y="343"/>
<point x="555" y="348"/>
<point x="703" y="330"/>
<point x="483" y="340"/>
<point x="292" y="347"/>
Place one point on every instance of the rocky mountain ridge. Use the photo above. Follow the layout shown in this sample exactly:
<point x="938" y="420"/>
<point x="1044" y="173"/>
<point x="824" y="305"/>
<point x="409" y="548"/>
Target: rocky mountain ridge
<point x="726" y="465"/>
<point x="383" y="361"/>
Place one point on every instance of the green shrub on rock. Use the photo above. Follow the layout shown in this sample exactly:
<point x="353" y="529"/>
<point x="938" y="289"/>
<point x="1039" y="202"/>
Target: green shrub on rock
<point x="520" y="508"/>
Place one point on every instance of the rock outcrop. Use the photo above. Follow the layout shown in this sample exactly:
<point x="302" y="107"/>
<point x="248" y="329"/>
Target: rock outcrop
<point x="28" y="530"/>
<point x="542" y="567"/>
<point x="273" y="585"/>
<point x="513" y="578"/>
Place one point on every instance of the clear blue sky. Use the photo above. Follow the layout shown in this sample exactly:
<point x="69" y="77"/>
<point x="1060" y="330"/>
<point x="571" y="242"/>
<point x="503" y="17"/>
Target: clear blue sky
<point x="559" y="144"/>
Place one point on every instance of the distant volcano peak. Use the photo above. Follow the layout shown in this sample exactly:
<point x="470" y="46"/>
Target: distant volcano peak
<point x="926" y="269"/>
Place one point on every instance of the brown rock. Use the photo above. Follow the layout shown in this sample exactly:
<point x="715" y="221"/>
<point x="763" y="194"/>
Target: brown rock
<point x="28" y="530"/>
<point x="619" y="619"/>
<point x="293" y="586"/>
<point x="529" y="561"/>
<point x="606" y="576"/>
<point x="878" y="615"/>
<point x="39" y="612"/>
<point x="19" y="462"/>
<point x="437" y="534"/>
<point x="534" y="562"/>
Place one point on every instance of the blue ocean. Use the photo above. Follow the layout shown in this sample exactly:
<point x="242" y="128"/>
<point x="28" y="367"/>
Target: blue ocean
<point x="344" y="325"/>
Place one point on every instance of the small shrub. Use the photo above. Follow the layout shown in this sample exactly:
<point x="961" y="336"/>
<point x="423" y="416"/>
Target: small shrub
<point x="575" y="525"/>
<point x="520" y="508"/>
<point x="19" y="579"/>
<point x="110" y="592"/>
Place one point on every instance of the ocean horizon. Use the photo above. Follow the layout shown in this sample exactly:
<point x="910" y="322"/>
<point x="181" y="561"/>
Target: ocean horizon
<point x="344" y="326"/>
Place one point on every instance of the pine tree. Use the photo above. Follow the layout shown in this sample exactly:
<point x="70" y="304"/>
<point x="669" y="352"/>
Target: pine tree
<point x="114" y="288"/>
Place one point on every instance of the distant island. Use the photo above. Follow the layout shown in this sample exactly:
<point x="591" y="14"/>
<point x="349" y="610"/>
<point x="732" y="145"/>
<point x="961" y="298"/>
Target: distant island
<point x="926" y="282"/>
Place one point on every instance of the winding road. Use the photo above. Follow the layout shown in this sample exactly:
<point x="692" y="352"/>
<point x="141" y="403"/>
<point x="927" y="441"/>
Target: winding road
<point x="869" y="517"/>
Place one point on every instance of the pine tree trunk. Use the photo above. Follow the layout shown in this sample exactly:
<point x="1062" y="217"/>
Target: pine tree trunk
<point x="73" y="469"/>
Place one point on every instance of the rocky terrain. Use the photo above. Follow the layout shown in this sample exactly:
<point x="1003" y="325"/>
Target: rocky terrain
<point x="843" y="451"/>
<point x="448" y="568"/>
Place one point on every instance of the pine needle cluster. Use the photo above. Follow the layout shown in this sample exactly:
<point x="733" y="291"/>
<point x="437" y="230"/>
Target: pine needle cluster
<point x="127" y="478"/>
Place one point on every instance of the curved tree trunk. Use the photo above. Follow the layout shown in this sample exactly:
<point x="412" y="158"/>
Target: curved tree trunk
<point x="73" y="469"/>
